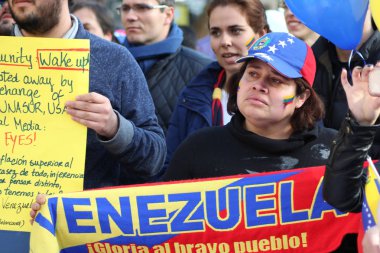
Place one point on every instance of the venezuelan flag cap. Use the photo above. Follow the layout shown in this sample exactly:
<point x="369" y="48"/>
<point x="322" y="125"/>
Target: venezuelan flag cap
<point x="287" y="54"/>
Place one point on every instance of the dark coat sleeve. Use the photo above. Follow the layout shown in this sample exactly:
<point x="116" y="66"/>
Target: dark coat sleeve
<point x="345" y="177"/>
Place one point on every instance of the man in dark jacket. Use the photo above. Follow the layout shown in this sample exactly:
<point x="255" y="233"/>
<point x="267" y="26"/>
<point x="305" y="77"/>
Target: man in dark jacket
<point x="330" y="62"/>
<point x="155" y="41"/>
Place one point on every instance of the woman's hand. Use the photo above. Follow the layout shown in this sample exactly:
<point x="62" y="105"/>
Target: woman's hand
<point x="364" y="107"/>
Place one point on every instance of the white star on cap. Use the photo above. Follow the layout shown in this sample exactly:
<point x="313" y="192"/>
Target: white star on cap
<point x="272" y="49"/>
<point x="290" y="40"/>
<point x="282" y="43"/>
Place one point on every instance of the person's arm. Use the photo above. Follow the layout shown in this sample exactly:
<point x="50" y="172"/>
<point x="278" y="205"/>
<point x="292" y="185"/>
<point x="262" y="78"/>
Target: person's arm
<point x="344" y="177"/>
<point x="134" y="140"/>
<point x="139" y="142"/>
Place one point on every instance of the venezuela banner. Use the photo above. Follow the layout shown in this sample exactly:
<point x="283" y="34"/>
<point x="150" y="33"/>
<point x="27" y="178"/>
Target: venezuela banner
<point x="267" y="212"/>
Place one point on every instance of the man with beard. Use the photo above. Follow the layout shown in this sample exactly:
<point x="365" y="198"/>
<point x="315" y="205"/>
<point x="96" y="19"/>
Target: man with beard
<point x="123" y="136"/>
<point x="123" y="133"/>
<point x="6" y="20"/>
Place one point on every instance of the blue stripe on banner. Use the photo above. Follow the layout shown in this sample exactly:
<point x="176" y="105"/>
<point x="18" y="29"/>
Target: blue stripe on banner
<point x="367" y="215"/>
<point x="45" y="223"/>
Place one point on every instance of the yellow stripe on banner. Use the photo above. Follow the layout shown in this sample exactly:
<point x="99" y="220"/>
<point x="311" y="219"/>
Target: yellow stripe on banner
<point x="371" y="189"/>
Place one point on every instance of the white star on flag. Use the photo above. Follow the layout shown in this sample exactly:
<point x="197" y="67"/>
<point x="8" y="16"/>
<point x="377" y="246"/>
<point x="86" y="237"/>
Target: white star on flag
<point x="290" y="40"/>
<point x="282" y="43"/>
<point x="291" y="35"/>
<point x="272" y="49"/>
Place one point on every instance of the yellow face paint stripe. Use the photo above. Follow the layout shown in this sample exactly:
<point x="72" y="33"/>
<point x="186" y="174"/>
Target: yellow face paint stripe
<point x="289" y="99"/>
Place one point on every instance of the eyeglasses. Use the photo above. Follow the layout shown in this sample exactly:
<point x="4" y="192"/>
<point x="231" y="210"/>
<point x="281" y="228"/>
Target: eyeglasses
<point x="139" y="8"/>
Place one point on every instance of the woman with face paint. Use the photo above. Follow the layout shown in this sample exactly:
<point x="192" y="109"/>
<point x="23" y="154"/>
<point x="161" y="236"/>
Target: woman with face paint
<point x="233" y="26"/>
<point x="274" y="123"/>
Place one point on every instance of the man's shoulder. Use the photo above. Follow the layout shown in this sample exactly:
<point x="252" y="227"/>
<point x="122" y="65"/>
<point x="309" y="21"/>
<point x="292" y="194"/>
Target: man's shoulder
<point x="193" y="56"/>
<point x="111" y="56"/>
<point x="320" y="46"/>
<point x="103" y="46"/>
<point x="100" y="45"/>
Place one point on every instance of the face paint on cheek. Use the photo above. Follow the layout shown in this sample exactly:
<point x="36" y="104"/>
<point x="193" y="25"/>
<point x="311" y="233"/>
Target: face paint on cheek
<point x="250" y="42"/>
<point x="238" y="88"/>
<point x="288" y="100"/>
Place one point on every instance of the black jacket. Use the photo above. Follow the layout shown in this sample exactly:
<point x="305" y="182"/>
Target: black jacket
<point x="345" y="178"/>
<point x="168" y="77"/>
<point x="327" y="80"/>
<point x="232" y="150"/>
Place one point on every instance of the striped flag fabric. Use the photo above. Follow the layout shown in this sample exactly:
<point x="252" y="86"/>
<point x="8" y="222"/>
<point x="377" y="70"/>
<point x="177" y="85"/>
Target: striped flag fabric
<point x="371" y="197"/>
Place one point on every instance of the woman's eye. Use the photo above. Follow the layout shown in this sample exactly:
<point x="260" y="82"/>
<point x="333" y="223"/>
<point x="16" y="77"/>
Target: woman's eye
<point x="276" y="81"/>
<point x="215" y="33"/>
<point x="253" y="74"/>
<point x="236" y="31"/>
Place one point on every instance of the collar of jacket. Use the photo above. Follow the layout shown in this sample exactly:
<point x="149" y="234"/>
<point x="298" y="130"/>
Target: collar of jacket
<point x="168" y="46"/>
<point x="294" y="142"/>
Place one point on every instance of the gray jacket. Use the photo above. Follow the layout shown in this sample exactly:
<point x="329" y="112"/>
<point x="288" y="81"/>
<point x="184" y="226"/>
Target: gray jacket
<point x="138" y="149"/>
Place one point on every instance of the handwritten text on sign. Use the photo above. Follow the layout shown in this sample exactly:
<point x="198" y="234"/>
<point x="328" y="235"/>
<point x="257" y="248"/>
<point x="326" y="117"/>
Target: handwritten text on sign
<point x="42" y="149"/>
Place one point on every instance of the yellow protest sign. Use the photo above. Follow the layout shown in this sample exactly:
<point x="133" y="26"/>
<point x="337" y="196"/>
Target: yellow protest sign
<point x="41" y="148"/>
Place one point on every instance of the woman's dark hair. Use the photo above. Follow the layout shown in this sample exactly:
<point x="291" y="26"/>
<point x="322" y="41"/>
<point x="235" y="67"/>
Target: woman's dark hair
<point x="102" y="13"/>
<point x="303" y="118"/>
<point x="253" y="9"/>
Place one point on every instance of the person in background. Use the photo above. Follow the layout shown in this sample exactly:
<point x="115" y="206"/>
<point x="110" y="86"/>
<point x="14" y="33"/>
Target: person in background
<point x="6" y="20"/>
<point x="155" y="41"/>
<point x="297" y="28"/>
<point x="95" y="17"/>
<point x="123" y="134"/>
<point x="189" y="37"/>
<point x="331" y="60"/>
<point x="275" y="15"/>
<point x="233" y="26"/>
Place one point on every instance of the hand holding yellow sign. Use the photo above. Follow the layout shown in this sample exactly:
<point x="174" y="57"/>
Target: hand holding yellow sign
<point x="42" y="149"/>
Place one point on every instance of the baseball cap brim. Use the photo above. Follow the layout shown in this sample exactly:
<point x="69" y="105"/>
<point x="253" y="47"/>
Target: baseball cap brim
<point x="275" y="62"/>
